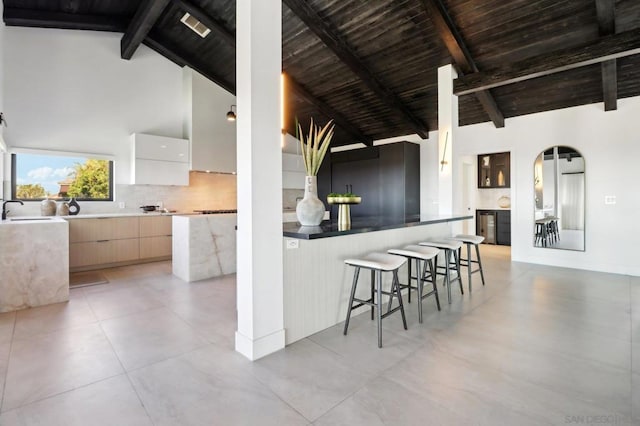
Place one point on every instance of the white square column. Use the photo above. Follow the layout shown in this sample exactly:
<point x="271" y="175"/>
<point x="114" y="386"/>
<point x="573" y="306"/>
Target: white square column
<point x="447" y="129"/>
<point x="259" y="236"/>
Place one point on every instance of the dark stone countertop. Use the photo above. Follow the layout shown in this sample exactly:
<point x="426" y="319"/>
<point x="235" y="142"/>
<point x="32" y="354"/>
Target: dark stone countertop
<point x="362" y="224"/>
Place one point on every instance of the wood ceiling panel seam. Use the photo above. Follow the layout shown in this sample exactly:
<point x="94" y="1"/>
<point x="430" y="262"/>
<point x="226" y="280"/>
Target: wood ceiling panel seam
<point x="505" y="12"/>
<point x="576" y="40"/>
<point x="540" y="29"/>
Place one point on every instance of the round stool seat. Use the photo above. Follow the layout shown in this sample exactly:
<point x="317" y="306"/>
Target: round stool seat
<point x="381" y="261"/>
<point x="443" y="244"/>
<point x="416" y="252"/>
<point x="471" y="239"/>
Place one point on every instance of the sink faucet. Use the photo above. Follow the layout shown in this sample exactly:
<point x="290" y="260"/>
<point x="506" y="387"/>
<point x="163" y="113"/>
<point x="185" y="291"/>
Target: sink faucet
<point x="4" y="207"/>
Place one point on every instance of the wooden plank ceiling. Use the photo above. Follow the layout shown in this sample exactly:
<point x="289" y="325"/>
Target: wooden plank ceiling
<point x="372" y="65"/>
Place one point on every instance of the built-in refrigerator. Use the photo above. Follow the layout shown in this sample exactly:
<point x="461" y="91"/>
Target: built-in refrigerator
<point x="486" y="226"/>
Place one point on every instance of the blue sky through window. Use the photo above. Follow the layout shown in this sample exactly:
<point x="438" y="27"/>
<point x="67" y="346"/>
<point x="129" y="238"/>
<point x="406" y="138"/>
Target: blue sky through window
<point x="47" y="170"/>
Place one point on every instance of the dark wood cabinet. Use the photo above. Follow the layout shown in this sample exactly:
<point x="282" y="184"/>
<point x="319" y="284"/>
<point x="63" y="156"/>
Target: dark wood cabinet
<point x="494" y="226"/>
<point x="503" y="229"/>
<point x="494" y="170"/>
<point x="387" y="177"/>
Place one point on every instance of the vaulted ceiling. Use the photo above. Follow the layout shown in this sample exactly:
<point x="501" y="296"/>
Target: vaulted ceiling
<point x="371" y="65"/>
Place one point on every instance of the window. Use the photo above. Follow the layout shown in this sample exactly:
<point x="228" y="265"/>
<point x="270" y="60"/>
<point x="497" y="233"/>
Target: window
<point x="40" y="176"/>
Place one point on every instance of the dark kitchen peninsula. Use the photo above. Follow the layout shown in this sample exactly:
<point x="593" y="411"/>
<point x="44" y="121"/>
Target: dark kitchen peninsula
<point x="362" y="225"/>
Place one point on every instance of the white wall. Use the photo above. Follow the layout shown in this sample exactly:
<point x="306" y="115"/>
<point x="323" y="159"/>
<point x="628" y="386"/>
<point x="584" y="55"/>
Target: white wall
<point x="213" y="137"/>
<point x="609" y="143"/>
<point x="69" y="90"/>
<point x="429" y="193"/>
<point x="2" y="143"/>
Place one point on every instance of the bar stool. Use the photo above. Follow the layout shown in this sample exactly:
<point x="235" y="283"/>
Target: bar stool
<point x="377" y="263"/>
<point x="427" y="256"/>
<point x="540" y="233"/>
<point x="451" y="248"/>
<point x="468" y="240"/>
<point x="552" y="229"/>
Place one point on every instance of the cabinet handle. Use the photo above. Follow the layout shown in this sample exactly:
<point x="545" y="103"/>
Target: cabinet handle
<point x="102" y="241"/>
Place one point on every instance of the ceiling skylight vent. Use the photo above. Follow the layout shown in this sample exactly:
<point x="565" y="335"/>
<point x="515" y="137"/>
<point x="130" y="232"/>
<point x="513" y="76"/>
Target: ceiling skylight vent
<point x="197" y="26"/>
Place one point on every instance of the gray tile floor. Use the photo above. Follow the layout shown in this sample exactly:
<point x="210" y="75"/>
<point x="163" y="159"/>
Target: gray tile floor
<point x="537" y="345"/>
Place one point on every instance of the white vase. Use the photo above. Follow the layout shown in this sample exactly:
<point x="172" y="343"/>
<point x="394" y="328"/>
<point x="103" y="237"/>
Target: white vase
<point x="63" y="209"/>
<point x="310" y="210"/>
<point x="48" y="207"/>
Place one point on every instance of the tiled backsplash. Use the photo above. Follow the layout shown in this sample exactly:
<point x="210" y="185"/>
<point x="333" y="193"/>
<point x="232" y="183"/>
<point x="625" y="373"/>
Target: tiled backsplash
<point x="487" y="198"/>
<point x="290" y="198"/>
<point x="205" y="191"/>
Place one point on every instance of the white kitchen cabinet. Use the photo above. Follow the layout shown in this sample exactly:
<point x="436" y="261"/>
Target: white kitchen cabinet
<point x="159" y="160"/>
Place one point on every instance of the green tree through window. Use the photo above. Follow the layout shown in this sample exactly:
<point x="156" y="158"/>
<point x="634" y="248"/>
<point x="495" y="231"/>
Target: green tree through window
<point x="39" y="176"/>
<point x="90" y="180"/>
<point x="30" y="190"/>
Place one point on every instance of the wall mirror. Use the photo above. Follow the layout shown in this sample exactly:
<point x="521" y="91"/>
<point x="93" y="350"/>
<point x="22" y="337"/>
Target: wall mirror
<point x="559" y="188"/>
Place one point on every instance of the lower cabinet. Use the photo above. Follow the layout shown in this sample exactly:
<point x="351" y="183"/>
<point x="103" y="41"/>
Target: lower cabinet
<point x="99" y="242"/>
<point x="503" y="231"/>
<point x="155" y="236"/>
<point x="494" y="226"/>
<point x="102" y="252"/>
<point x="155" y="247"/>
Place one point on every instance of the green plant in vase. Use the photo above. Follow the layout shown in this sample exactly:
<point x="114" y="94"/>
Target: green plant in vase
<point x="343" y="198"/>
<point x="314" y="146"/>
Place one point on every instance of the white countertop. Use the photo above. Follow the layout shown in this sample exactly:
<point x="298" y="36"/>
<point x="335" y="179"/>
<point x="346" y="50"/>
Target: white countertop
<point x="99" y="215"/>
<point x="22" y="220"/>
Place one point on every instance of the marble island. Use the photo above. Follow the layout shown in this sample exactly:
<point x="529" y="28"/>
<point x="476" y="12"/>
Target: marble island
<point x="204" y="246"/>
<point x="34" y="262"/>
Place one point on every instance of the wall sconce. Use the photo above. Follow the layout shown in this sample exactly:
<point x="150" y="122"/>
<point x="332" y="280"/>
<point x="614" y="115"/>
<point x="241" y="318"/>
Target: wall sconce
<point x="231" y="115"/>
<point x="444" y="153"/>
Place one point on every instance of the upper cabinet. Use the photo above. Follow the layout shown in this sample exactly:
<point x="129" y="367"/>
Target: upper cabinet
<point x="494" y="170"/>
<point x="159" y="160"/>
<point x="212" y="136"/>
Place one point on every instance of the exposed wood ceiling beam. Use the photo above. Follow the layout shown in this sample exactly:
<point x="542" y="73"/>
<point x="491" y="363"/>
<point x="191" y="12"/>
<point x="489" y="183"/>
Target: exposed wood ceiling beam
<point x="606" y="48"/>
<point x="171" y="52"/>
<point x="68" y="21"/>
<point x="609" y="71"/>
<point x="346" y="54"/>
<point x="211" y="23"/>
<point x="458" y="49"/>
<point x="328" y="111"/>
<point x="606" y="16"/>
<point x="230" y="38"/>
<point x="607" y="26"/>
<point x="144" y="19"/>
